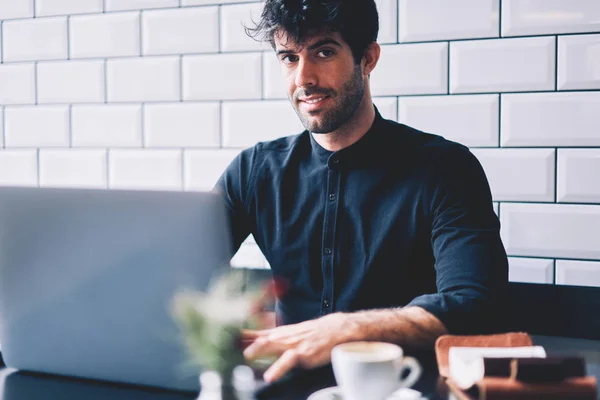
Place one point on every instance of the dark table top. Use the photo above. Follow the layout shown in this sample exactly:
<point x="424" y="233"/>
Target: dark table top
<point x="19" y="385"/>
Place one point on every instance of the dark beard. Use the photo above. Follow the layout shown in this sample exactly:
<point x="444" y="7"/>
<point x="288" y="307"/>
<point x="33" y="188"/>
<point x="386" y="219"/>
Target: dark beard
<point x="347" y="103"/>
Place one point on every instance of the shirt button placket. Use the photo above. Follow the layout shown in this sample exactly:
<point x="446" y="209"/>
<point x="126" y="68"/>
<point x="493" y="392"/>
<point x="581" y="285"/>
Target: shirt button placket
<point x="329" y="229"/>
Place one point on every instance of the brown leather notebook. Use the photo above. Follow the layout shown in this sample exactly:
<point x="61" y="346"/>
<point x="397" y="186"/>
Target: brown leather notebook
<point x="508" y="387"/>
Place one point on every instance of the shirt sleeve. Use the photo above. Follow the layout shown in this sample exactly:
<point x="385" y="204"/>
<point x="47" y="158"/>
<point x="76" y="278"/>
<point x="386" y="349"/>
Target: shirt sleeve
<point x="470" y="260"/>
<point x="234" y="186"/>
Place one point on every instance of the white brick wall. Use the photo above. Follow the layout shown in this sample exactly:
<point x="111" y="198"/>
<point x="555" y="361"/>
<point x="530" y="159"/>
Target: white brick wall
<point x="107" y="125"/>
<point x="105" y="35"/>
<point x="163" y="94"/>
<point x="70" y="81"/>
<point x="178" y="31"/>
<point x="35" y="39"/>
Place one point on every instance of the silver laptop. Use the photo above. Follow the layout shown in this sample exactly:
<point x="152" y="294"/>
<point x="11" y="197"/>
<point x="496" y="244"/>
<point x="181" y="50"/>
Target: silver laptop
<point x="87" y="278"/>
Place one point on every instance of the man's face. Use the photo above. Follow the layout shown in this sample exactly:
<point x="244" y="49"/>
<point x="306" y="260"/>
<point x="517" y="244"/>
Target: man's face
<point x="324" y="84"/>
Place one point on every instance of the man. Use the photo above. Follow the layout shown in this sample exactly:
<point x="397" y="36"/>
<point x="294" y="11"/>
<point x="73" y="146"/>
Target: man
<point x="380" y="231"/>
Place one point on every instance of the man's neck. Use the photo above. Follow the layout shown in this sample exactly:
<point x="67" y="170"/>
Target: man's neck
<point x="352" y="131"/>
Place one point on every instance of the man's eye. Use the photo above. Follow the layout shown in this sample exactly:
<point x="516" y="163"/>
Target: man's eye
<point x="289" y="59"/>
<point x="325" y="53"/>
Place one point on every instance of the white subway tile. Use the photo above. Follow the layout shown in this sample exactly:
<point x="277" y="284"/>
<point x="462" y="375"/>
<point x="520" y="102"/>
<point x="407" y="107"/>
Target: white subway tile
<point x="249" y="256"/>
<point x="579" y="62"/>
<point x="579" y="175"/>
<point x="422" y="20"/>
<point x="10" y="9"/>
<point x="274" y="85"/>
<point x="388" y="21"/>
<point x="143" y="79"/>
<point x="387" y="106"/>
<point x="41" y="126"/>
<point x="182" y="125"/>
<point x="70" y="81"/>
<point x="35" y="39"/>
<point x="411" y="69"/>
<point x="120" y="5"/>
<point x="177" y="31"/>
<point x="105" y="35"/>
<point x="145" y="169"/>
<point x="551" y="230"/>
<point x="519" y="174"/>
<point x="18" y="167"/>
<point x="577" y="273"/>
<point x="246" y="123"/>
<point x="186" y="3"/>
<point x="204" y="167"/>
<point x="18" y="83"/>
<point x="530" y="270"/>
<point x="496" y="206"/>
<point x="44" y="8"/>
<point x="550" y="119"/>
<point x="107" y="125"/>
<point x="471" y="120"/>
<point x="538" y="17"/>
<point x="211" y="77"/>
<point x="508" y="65"/>
<point x="233" y="20"/>
<point x="73" y="168"/>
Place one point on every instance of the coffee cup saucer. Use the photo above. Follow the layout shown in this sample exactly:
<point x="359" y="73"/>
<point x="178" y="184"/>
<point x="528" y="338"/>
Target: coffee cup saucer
<point x="335" y="393"/>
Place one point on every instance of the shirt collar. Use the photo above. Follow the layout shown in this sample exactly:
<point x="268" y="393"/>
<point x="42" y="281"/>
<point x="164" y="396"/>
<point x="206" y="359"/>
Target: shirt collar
<point x="363" y="148"/>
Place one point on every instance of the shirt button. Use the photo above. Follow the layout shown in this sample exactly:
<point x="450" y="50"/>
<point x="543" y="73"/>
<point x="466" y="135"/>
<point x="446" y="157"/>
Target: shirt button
<point x="327" y="251"/>
<point x="325" y="304"/>
<point x="332" y="197"/>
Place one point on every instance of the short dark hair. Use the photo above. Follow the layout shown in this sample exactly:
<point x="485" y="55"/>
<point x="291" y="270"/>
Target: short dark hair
<point x="357" y="21"/>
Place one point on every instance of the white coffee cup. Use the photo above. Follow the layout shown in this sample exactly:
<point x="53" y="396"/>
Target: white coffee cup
<point x="372" y="370"/>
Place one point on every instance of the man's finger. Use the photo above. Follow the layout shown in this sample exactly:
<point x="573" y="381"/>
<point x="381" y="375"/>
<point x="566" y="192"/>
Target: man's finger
<point x="262" y="347"/>
<point x="248" y="334"/>
<point x="284" y="364"/>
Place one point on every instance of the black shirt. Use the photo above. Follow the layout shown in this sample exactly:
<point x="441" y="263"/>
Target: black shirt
<point x="400" y="217"/>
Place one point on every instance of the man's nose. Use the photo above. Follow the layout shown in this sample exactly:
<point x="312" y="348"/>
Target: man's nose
<point x="306" y="74"/>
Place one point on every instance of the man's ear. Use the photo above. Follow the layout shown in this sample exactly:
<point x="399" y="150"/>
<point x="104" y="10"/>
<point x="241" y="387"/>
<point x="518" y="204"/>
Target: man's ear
<point x="370" y="58"/>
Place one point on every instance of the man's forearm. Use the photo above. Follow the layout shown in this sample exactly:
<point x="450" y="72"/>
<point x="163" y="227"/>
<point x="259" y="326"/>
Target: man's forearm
<point x="410" y="326"/>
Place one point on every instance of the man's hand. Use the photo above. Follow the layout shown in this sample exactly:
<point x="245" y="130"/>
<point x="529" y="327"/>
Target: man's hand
<point x="307" y="344"/>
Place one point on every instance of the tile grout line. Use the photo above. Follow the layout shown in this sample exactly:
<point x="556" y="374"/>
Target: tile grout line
<point x="448" y="70"/>
<point x="141" y="34"/>
<point x="499" y="18"/>
<point x="35" y="82"/>
<point x="219" y="29"/>
<point x="68" y="37"/>
<point x="556" y="175"/>
<point x="105" y="80"/>
<point x="499" y="120"/>
<point x="556" y="63"/>
<point x="181" y="78"/>
<point x="39" y="167"/>
<point x="397" y="21"/>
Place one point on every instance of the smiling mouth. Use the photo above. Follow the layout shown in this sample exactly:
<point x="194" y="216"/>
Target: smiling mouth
<point x="314" y="100"/>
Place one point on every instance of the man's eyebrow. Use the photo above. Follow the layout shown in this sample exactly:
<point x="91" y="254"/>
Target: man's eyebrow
<point x="313" y="46"/>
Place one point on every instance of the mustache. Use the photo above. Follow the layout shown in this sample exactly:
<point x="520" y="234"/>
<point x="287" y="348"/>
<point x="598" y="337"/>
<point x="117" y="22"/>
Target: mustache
<point x="312" y="92"/>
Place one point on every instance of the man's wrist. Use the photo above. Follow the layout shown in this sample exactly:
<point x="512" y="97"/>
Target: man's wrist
<point x="355" y="328"/>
